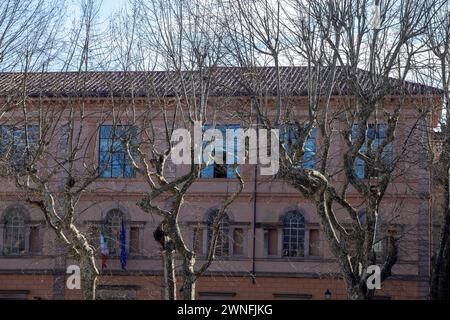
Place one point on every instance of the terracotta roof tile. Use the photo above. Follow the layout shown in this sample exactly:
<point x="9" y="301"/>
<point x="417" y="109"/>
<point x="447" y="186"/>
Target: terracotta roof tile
<point x="222" y="81"/>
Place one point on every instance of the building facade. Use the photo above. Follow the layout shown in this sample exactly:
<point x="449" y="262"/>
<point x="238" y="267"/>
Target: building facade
<point x="270" y="247"/>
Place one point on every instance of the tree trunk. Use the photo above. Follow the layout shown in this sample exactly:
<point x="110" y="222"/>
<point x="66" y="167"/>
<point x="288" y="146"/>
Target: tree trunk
<point x="189" y="277"/>
<point x="89" y="275"/>
<point x="86" y="258"/>
<point x="441" y="267"/>
<point x="170" y="282"/>
<point x="356" y="292"/>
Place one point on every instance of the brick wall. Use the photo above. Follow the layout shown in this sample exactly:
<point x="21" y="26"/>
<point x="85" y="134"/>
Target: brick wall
<point x="39" y="286"/>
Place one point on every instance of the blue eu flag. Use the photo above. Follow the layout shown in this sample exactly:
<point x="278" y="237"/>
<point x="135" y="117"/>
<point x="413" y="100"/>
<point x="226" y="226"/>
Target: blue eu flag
<point x="123" y="255"/>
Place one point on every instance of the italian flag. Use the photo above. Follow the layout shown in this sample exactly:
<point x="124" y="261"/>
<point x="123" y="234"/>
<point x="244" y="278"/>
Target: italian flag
<point x="103" y="248"/>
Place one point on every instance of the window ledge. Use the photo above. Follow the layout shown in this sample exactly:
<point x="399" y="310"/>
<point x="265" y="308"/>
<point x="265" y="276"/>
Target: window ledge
<point x="118" y="179"/>
<point x="23" y="256"/>
<point x="296" y="259"/>
<point x="219" y="179"/>
<point x="229" y="258"/>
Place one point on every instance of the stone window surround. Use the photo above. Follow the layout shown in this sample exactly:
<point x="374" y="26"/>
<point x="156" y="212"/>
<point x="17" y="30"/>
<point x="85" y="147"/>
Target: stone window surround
<point x="279" y="227"/>
<point x="128" y="225"/>
<point x="203" y="226"/>
<point x="40" y="224"/>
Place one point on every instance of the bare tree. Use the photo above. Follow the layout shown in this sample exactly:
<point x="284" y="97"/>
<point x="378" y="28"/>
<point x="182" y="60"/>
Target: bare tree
<point x="58" y="171"/>
<point x="433" y="66"/>
<point x="28" y="31"/>
<point x="51" y="162"/>
<point x="345" y="53"/>
<point x="184" y="42"/>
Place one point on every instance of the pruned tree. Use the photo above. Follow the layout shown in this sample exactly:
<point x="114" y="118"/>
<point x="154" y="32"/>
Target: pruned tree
<point x="347" y="54"/>
<point x="47" y="149"/>
<point x="58" y="170"/>
<point x="185" y="44"/>
<point x="433" y="67"/>
<point x="28" y="30"/>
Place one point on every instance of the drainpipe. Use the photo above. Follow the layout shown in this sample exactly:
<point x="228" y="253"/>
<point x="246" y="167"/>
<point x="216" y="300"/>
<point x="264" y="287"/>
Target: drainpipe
<point x="430" y="224"/>
<point x="255" y="185"/>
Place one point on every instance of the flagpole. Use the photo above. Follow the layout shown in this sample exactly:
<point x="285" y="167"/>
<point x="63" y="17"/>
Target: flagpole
<point x="123" y="256"/>
<point x="103" y="245"/>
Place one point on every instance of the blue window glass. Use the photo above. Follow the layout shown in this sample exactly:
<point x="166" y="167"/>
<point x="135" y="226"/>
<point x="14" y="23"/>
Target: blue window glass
<point x="376" y="134"/>
<point x="291" y="146"/>
<point x="113" y="158"/>
<point x="216" y="170"/>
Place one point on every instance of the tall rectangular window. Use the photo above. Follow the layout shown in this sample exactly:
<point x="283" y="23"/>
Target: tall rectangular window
<point x="34" y="239"/>
<point x="375" y="135"/>
<point x="224" y="170"/>
<point x="93" y="235"/>
<point x="134" y="240"/>
<point x="314" y="243"/>
<point x="293" y="234"/>
<point x="238" y="241"/>
<point x="18" y="144"/>
<point x="271" y="242"/>
<point x="14" y="241"/>
<point x="198" y="240"/>
<point x="113" y="157"/>
<point x="292" y="147"/>
<point x="223" y="242"/>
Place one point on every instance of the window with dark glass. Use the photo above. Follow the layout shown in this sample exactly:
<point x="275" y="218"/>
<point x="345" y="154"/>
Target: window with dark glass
<point x="113" y="231"/>
<point x="217" y="170"/>
<point x="293" y="234"/>
<point x="375" y="135"/>
<point x="223" y="243"/>
<point x="114" y="161"/>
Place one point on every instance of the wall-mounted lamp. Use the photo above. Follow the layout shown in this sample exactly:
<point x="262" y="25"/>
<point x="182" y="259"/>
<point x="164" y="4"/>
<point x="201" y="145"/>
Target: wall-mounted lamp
<point x="327" y="294"/>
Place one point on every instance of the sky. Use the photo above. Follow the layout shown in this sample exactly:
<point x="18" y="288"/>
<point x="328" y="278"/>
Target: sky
<point x="109" y="6"/>
<point x="106" y="9"/>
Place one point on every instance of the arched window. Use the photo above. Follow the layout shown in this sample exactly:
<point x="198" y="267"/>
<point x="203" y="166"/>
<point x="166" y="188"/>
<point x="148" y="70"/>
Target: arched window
<point x="293" y="234"/>
<point x="14" y="233"/>
<point x="223" y="243"/>
<point x="113" y="230"/>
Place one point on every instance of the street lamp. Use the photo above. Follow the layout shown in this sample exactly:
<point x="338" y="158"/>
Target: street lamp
<point x="327" y="294"/>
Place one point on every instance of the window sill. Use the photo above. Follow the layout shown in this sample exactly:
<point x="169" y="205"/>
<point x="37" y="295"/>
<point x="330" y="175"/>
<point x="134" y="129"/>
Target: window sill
<point x="227" y="258"/>
<point x="22" y="256"/>
<point x="117" y="179"/>
<point x="129" y="256"/>
<point x="218" y="179"/>
<point x="299" y="259"/>
<point x="370" y="178"/>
